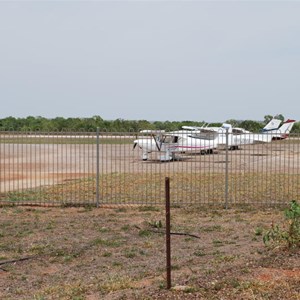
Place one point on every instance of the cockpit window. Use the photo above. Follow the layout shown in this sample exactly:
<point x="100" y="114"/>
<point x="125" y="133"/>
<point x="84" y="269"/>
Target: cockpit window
<point x="169" y="139"/>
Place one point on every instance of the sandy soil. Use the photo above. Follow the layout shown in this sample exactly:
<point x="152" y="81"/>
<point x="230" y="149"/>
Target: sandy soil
<point x="28" y="166"/>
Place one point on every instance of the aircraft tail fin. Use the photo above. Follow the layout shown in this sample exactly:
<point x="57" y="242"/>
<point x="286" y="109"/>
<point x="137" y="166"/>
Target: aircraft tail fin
<point x="284" y="130"/>
<point x="287" y="126"/>
<point x="272" y="125"/>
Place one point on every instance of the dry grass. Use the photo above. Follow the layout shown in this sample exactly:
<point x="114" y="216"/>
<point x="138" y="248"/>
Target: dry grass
<point x="141" y="188"/>
<point x="85" y="253"/>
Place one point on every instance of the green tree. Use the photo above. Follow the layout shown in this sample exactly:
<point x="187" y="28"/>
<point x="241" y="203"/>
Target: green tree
<point x="267" y="119"/>
<point x="252" y="126"/>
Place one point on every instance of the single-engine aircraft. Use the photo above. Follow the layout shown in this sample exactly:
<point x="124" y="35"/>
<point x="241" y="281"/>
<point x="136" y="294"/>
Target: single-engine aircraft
<point x="174" y="142"/>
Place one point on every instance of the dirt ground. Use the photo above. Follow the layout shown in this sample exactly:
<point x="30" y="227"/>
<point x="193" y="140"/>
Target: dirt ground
<point x="25" y="166"/>
<point x="66" y="173"/>
<point x="119" y="253"/>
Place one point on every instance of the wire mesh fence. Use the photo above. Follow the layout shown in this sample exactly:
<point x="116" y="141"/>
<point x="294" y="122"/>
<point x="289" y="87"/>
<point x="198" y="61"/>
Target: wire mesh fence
<point x="96" y="168"/>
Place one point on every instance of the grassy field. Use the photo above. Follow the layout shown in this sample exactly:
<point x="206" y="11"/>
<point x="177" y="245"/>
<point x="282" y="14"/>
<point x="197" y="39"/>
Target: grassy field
<point x="119" y="253"/>
<point x="143" y="188"/>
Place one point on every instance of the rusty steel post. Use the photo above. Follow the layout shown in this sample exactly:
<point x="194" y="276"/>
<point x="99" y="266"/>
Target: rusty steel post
<point x="168" y="234"/>
<point x="97" y="167"/>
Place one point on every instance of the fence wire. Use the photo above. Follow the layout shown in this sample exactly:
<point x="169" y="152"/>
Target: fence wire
<point x="96" y="168"/>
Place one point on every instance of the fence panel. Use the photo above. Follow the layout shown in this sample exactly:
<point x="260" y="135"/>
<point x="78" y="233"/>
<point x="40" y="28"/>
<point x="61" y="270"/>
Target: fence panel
<point x="56" y="168"/>
<point x="265" y="173"/>
<point x="47" y="168"/>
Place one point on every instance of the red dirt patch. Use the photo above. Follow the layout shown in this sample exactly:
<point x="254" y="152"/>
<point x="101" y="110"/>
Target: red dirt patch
<point x="271" y="274"/>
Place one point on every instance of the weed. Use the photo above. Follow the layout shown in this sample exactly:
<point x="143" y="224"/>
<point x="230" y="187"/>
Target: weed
<point x="289" y="234"/>
<point x="212" y="228"/>
<point x="125" y="227"/>
<point x="103" y="229"/>
<point x="66" y="291"/>
<point x="156" y="224"/>
<point x="217" y="286"/>
<point x="107" y="243"/>
<point x="148" y="208"/>
<point x="245" y="270"/>
<point x="238" y="218"/>
<point x="130" y="253"/>
<point x="147" y="244"/>
<point x="144" y="233"/>
<point x="51" y="225"/>
<point x="67" y="258"/>
<point x="39" y="297"/>
<point x="233" y="282"/>
<point x="115" y="283"/>
<point x="217" y="243"/>
<point x="107" y="254"/>
<point x="175" y="267"/>
<point x="117" y="264"/>
<point x="209" y="271"/>
<point x="142" y="252"/>
<point x="39" y="249"/>
<point x="258" y="231"/>
<point x="199" y="252"/>
<point x="190" y="289"/>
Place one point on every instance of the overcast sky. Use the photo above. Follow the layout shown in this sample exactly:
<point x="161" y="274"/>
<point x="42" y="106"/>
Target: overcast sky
<point x="154" y="60"/>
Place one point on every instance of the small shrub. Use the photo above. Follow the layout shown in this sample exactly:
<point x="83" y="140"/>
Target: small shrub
<point x="156" y="224"/>
<point x="289" y="234"/>
<point x="144" y="233"/>
<point x="258" y="231"/>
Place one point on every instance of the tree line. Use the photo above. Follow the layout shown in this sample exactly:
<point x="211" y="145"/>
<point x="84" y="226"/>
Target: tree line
<point x="31" y="123"/>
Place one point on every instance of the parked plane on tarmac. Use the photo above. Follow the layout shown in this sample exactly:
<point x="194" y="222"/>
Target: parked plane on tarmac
<point x="170" y="143"/>
<point x="203" y="140"/>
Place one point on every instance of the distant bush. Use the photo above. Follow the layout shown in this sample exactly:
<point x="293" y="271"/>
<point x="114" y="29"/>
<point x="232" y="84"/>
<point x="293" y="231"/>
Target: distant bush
<point x="119" y="125"/>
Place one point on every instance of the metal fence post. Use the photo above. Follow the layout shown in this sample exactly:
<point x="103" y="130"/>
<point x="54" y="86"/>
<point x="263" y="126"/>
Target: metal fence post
<point x="97" y="167"/>
<point x="226" y="168"/>
<point x="168" y="233"/>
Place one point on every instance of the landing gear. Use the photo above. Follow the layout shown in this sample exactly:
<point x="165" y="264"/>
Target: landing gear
<point x="234" y="147"/>
<point x="168" y="156"/>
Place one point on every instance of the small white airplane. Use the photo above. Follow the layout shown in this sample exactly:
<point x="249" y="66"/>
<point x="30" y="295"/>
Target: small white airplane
<point x="270" y="132"/>
<point x="174" y="142"/>
<point x="219" y="135"/>
<point x="238" y="136"/>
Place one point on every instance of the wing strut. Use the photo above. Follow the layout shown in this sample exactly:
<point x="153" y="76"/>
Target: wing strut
<point x="156" y="143"/>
